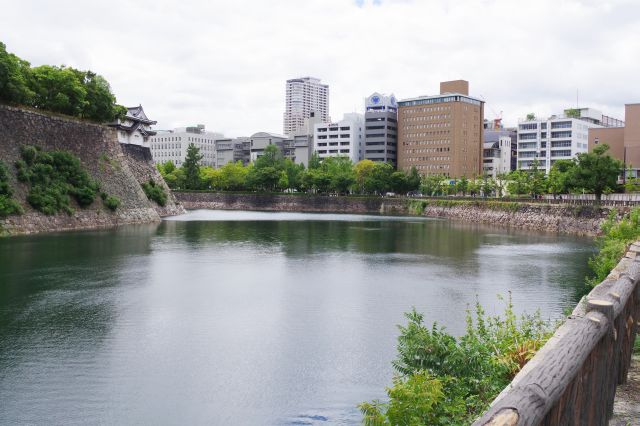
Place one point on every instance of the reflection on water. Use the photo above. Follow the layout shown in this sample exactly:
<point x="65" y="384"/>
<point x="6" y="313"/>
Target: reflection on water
<point x="247" y="318"/>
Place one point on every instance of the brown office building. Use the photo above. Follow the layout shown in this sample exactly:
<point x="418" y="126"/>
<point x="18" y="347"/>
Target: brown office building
<point x="443" y="134"/>
<point x="624" y="142"/>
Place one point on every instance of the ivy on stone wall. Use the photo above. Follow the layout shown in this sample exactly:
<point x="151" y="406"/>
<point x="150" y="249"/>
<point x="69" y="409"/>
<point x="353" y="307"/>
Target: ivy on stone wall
<point x="8" y="206"/>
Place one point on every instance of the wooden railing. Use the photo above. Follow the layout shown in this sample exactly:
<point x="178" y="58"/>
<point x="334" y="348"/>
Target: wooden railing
<point x="572" y="379"/>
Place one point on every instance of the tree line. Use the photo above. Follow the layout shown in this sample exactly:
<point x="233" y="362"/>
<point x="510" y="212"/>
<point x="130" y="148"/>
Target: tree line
<point x="273" y="173"/>
<point x="59" y="89"/>
<point x="595" y="172"/>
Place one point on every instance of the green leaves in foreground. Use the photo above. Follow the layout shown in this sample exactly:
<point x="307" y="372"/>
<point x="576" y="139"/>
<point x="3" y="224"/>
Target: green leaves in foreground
<point x="444" y="380"/>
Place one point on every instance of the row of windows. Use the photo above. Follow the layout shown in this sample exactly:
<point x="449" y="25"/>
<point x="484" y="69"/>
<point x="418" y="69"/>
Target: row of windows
<point x="425" y="134"/>
<point x="431" y="142"/>
<point x="381" y="119"/>
<point x="426" y="126"/>
<point x="440" y="100"/>
<point x="427" y="109"/>
<point x="416" y="159"/>
<point x="527" y="136"/>
<point x="433" y="167"/>
<point x="426" y="150"/>
<point x="333" y="151"/>
<point x="563" y="134"/>
<point x="561" y="125"/>
<point x="428" y="117"/>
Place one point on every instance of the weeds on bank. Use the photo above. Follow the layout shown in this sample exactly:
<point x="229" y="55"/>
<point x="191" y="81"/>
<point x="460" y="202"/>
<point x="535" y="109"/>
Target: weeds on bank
<point x="612" y="244"/>
<point x="444" y="380"/>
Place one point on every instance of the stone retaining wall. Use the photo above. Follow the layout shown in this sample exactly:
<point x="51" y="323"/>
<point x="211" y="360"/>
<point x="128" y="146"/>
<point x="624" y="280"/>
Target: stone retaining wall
<point x="576" y="220"/>
<point x="101" y="155"/>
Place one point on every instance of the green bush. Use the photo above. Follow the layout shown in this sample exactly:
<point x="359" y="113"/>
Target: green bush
<point x="616" y="237"/>
<point x="443" y="380"/>
<point x="155" y="192"/>
<point x="8" y="205"/>
<point x="112" y="202"/>
<point x="54" y="178"/>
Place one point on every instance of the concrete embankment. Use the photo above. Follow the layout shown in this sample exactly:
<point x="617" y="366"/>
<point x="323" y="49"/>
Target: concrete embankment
<point x="120" y="172"/>
<point x="576" y="220"/>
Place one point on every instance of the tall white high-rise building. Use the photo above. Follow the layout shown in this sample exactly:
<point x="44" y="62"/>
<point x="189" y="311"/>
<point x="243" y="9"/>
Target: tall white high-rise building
<point x="304" y="96"/>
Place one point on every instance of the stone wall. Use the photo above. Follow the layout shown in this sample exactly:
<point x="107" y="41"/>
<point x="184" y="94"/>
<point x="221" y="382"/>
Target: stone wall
<point x="141" y="164"/>
<point x="101" y="155"/>
<point x="576" y="220"/>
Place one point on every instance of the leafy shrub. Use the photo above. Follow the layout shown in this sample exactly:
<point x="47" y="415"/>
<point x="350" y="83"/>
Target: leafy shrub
<point x="615" y="238"/>
<point x="443" y="380"/>
<point x="55" y="177"/>
<point x="8" y="205"/>
<point x="155" y="192"/>
<point x="112" y="202"/>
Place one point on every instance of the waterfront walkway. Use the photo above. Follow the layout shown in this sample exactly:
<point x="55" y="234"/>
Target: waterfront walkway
<point x="626" y="408"/>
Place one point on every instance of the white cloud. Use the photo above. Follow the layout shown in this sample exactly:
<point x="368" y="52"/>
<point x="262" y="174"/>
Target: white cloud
<point x="225" y="63"/>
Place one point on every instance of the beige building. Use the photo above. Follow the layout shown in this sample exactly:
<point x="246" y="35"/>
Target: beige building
<point x="443" y="134"/>
<point x="624" y="142"/>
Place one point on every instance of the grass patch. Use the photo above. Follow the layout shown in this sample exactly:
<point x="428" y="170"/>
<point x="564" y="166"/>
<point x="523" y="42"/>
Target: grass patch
<point x="54" y="178"/>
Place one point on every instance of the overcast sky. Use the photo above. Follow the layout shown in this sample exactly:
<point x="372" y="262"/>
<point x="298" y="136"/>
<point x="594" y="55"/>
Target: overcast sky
<point x="225" y="63"/>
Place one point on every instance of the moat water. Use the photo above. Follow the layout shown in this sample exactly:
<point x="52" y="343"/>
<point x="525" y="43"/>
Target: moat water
<point x="234" y="318"/>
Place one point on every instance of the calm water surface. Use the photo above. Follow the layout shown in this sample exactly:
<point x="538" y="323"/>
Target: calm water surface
<point x="237" y="318"/>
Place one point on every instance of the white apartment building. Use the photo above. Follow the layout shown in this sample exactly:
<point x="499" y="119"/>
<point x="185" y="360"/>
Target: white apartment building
<point x="303" y="96"/>
<point x="344" y="138"/>
<point x="171" y="145"/>
<point x="560" y="137"/>
<point x="497" y="152"/>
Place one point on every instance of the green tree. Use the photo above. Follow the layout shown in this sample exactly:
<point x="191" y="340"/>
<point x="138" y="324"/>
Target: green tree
<point x="234" y="176"/>
<point x="100" y="103"/>
<point x="432" y="185"/>
<point x="560" y="177"/>
<point x="58" y="89"/>
<point x="363" y="170"/>
<point x="487" y="185"/>
<point x="537" y="180"/>
<point x="341" y="172"/>
<point x="271" y="157"/>
<point x="518" y="182"/>
<point x="399" y="182"/>
<point x="462" y="185"/>
<point x="314" y="161"/>
<point x="413" y="179"/>
<point x="14" y="77"/>
<point x="191" y="167"/>
<point x="597" y="171"/>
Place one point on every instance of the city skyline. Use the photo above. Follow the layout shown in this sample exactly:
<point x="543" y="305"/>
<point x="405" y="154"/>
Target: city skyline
<point x="200" y="68"/>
